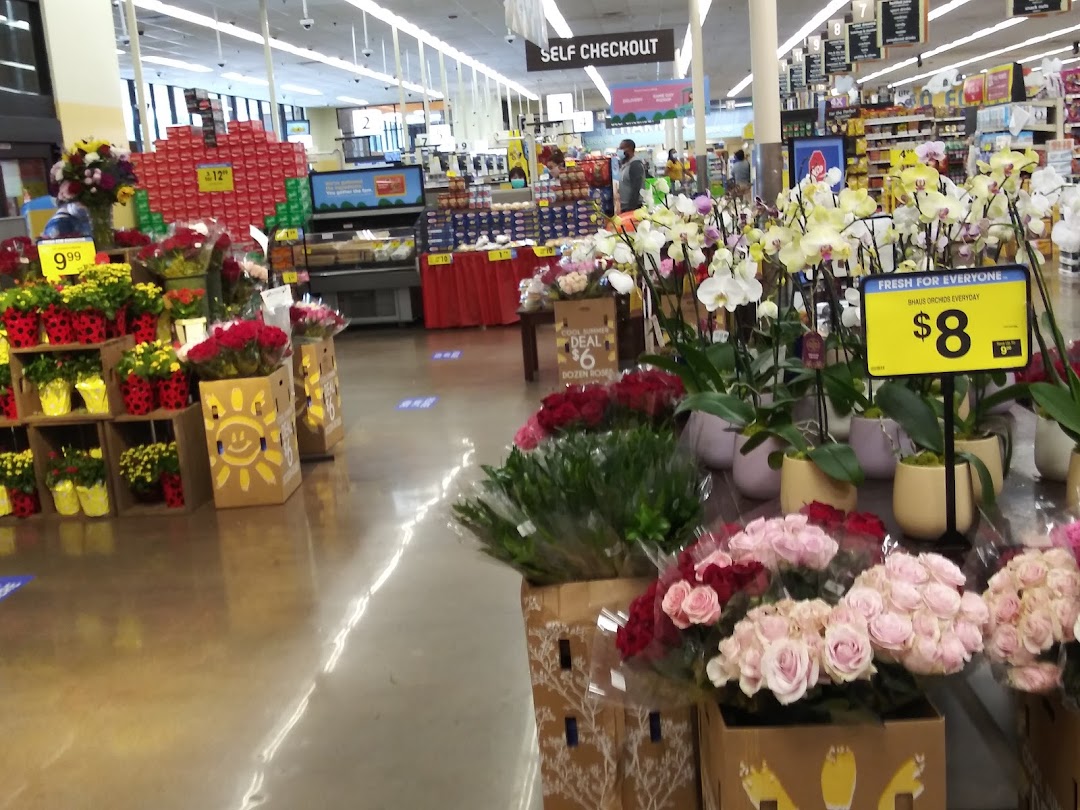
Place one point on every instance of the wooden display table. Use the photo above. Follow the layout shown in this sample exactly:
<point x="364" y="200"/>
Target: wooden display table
<point x="631" y="337"/>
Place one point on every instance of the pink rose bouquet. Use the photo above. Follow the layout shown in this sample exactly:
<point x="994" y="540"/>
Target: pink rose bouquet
<point x="1033" y="603"/>
<point x="790" y="649"/>
<point x="918" y="614"/>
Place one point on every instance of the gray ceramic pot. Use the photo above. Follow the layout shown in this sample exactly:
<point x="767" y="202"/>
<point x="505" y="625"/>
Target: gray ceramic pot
<point x="751" y="472"/>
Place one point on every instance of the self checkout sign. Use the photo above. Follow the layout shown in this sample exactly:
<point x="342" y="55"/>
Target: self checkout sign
<point x="65" y="257"/>
<point x="955" y="322"/>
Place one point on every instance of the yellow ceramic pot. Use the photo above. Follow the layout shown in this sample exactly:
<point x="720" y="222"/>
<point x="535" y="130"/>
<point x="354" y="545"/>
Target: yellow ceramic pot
<point x="94" y="500"/>
<point x="66" y="499"/>
<point x="55" y="398"/>
<point x="1072" y="483"/>
<point x="919" y="500"/>
<point x="802" y="482"/>
<point x="989" y="451"/>
<point x="93" y="393"/>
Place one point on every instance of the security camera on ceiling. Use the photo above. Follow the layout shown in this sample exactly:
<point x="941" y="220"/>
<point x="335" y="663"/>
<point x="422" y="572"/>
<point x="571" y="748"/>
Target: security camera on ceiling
<point x="368" y="53"/>
<point x="511" y="38"/>
<point x="123" y="40"/>
<point x="221" y="64"/>
<point x="307" y="23"/>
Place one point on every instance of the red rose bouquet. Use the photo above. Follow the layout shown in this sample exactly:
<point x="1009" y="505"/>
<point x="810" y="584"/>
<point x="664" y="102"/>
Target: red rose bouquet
<point x="19" y="258"/>
<point x="131" y="238"/>
<point x="648" y="393"/>
<point x="241" y="349"/>
<point x="183" y="254"/>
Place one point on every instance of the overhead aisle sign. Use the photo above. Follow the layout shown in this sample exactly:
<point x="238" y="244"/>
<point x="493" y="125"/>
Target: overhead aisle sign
<point x="1026" y="8"/>
<point x="602" y="50"/>
<point x="902" y="22"/>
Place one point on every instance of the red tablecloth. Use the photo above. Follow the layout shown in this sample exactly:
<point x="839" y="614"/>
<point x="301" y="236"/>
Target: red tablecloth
<point x="475" y="291"/>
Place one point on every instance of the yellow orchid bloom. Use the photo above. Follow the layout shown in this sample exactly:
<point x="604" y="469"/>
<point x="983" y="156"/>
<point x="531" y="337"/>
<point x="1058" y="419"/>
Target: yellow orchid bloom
<point x="776" y="238"/>
<point x="919" y="178"/>
<point x="823" y="243"/>
<point x="757" y="252"/>
<point x="857" y="202"/>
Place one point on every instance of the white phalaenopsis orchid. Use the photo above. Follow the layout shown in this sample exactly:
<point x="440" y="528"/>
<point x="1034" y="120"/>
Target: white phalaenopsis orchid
<point x="851" y="314"/>
<point x="621" y="282"/>
<point x="930" y="152"/>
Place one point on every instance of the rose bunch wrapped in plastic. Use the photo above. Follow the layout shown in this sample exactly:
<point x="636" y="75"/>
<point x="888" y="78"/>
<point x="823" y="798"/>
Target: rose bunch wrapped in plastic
<point x="918" y="614"/>
<point x="1034" y="603"/>
<point x="314" y="321"/>
<point x="241" y="349"/>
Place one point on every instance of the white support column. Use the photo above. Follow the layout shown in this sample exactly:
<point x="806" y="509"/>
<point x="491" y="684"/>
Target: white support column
<point x="425" y="82"/>
<point x="476" y="115"/>
<point x="766" y="89"/>
<point x="275" y="117"/>
<point x="140" y="85"/>
<point x="447" y="113"/>
<point x="697" y="68"/>
<point x="402" y="109"/>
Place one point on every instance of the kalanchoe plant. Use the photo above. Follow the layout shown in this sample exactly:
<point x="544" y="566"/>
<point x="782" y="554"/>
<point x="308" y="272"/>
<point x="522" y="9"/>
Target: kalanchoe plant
<point x="84" y="468"/>
<point x="47" y="367"/>
<point x="17" y="472"/>
<point x="586" y="506"/>
<point x="146" y="298"/>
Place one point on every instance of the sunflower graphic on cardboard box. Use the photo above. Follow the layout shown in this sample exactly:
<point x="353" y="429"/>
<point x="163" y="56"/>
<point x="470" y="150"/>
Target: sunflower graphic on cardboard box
<point x="76" y="479"/>
<point x="249" y="413"/>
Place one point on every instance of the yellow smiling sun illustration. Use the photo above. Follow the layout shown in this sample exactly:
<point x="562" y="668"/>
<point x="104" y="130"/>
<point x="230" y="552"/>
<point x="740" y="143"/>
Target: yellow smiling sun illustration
<point x="243" y="434"/>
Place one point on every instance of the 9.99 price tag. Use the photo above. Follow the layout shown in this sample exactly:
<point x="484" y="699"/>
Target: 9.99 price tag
<point x="65" y="257"/>
<point x="946" y="323"/>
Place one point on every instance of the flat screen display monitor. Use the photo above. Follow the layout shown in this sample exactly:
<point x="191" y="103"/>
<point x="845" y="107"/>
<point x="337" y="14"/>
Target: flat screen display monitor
<point x="375" y="188"/>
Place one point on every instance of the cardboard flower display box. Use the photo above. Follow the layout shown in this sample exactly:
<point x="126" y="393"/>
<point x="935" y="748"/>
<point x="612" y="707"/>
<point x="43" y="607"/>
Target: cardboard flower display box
<point x="895" y="764"/>
<point x="1049" y="737"/>
<point x="319" y="423"/>
<point x="596" y="756"/>
<point x="251" y="439"/>
<point x="586" y="337"/>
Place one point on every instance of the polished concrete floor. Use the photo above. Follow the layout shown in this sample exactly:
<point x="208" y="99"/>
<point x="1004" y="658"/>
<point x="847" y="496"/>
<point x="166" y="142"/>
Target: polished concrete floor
<point x="346" y="651"/>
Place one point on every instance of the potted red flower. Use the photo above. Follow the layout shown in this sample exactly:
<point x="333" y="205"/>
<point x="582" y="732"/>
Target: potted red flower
<point x="243" y="349"/>
<point x="187" y="308"/>
<point x="7" y="394"/>
<point x="144" y="312"/>
<point x="17" y="477"/>
<point x="136" y="388"/>
<point x="56" y="319"/>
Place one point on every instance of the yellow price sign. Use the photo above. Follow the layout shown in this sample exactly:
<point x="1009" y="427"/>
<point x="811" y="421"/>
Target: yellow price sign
<point x="437" y="259"/>
<point x="947" y="323"/>
<point x="287" y="235"/>
<point x="544" y="203"/>
<point x="65" y="257"/>
<point x="902" y="158"/>
<point x="500" y="255"/>
<point x="543" y="251"/>
<point x="215" y="177"/>
<point x="289" y="277"/>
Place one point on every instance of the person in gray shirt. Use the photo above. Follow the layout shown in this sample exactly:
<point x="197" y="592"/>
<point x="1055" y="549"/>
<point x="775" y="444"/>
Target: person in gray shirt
<point x="740" y="173"/>
<point x="631" y="176"/>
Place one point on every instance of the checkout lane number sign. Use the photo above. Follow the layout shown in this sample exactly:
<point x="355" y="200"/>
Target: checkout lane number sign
<point x="954" y="322"/>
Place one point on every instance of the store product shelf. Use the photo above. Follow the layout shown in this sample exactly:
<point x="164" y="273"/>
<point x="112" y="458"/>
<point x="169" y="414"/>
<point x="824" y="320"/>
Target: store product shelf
<point x="42" y="348"/>
<point x="11" y="423"/>
<point x="158" y="415"/>
<point x="886" y="136"/>
<point x="1027" y="128"/>
<point x="906" y="119"/>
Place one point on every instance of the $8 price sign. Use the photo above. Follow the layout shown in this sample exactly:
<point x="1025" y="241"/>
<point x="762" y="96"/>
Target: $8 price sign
<point x="954" y="341"/>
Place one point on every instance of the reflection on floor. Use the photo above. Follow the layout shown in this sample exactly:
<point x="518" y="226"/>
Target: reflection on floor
<point x="346" y="650"/>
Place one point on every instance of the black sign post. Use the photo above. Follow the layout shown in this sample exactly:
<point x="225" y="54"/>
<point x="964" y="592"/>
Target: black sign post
<point x="863" y="44"/>
<point x="836" y="57"/>
<point x="1025" y="8"/>
<point x="902" y="22"/>
<point x="602" y="50"/>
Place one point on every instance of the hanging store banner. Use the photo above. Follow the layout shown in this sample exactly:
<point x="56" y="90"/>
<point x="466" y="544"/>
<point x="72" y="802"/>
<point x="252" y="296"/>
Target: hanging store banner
<point x="634" y="103"/>
<point x="863" y="43"/>
<point x="974" y="89"/>
<point x="1025" y="8"/>
<point x="602" y="50"/>
<point x="999" y="84"/>
<point x="902" y="22"/>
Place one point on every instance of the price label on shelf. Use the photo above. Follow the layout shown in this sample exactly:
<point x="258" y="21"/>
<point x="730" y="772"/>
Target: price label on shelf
<point x="437" y="259"/>
<point x="544" y="203"/>
<point x="287" y="235"/>
<point x="65" y="257"/>
<point x="947" y="323"/>
<point x="290" y="277"/>
<point x="543" y="251"/>
<point x="215" y="177"/>
<point x="902" y="158"/>
<point x="500" y="255"/>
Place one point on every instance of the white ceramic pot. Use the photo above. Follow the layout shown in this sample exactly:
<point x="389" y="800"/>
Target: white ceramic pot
<point x="751" y="472"/>
<point x="712" y="440"/>
<point x="877" y="443"/>
<point x="1053" y="450"/>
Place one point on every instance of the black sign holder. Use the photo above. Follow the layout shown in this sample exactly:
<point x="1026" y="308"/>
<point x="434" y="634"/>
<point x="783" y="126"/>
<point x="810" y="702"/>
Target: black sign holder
<point x="952" y="538"/>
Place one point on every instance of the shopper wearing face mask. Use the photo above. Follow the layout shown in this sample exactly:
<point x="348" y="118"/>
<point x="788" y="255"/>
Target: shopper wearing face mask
<point x="518" y="178"/>
<point x="632" y="174"/>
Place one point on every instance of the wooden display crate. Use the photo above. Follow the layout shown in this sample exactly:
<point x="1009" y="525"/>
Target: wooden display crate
<point x="319" y="423"/>
<point x="52" y="438"/>
<point x="251" y="439"/>
<point x="26" y="395"/>
<point x="186" y="429"/>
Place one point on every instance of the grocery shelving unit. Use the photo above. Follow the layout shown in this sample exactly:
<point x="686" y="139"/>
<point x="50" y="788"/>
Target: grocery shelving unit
<point x="994" y="132"/>
<point x="886" y="133"/>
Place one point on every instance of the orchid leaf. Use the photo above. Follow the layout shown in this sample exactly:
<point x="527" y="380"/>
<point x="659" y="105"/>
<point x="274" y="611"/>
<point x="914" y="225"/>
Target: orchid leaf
<point x="838" y="461"/>
<point x="913" y="413"/>
<point x="729" y="408"/>
<point x="1059" y="406"/>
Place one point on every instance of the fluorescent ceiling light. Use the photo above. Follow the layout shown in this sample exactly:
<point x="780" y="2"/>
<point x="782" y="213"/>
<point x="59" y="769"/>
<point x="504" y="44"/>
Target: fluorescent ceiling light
<point x="948" y="46"/>
<point x="562" y="28"/>
<point x="17" y="65"/>
<point x="120" y="52"/>
<point x="240" y="77"/>
<point x="299" y="88"/>
<point x="988" y="55"/>
<point x="359" y="102"/>
<point x="177" y="63"/>
<point x="307" y="54"/>
<point x="388" y="17"/>
<point x="941" y="11"/>
<point x="1041" y="56"/>
<point x="22" y="25"/>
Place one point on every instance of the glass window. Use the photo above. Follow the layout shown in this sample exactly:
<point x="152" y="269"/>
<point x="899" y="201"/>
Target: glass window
<point x="18" y="56"/>
<point x="162" y="108"/>
<point x="242" y="109"/>
<point x="126" y="89"/>
<point x="180" y="103"/>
